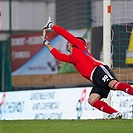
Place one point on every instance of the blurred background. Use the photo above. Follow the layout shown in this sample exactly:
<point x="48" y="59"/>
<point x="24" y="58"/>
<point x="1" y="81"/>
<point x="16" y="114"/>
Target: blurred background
<point x="26" y="17"/>
<point x="21" y="48"/>
<point x="33" y="84"/>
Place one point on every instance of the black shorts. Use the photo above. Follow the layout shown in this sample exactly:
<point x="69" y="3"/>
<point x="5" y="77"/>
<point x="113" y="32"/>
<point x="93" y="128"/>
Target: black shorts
<point x="101" y="78"/>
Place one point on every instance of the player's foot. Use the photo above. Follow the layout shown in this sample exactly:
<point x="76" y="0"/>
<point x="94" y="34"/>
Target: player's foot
<point x="116" y="115"/>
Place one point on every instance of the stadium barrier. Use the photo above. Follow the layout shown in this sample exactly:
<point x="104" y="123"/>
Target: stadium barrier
<point x="63" y="103"/>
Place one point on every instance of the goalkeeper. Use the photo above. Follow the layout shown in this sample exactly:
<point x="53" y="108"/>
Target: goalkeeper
<point x="101" y="76"/>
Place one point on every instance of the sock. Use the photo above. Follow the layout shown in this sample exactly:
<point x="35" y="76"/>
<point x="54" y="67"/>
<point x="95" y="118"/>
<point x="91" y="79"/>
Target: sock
<point x="102" y="106"/>
<point x="123" y="87"/>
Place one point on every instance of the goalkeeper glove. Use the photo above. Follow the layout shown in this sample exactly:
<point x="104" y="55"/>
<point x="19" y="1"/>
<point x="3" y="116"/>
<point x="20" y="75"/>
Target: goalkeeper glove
<point x="49" y="24"/>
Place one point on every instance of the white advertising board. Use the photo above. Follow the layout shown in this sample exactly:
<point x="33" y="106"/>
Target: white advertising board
<point x="65" y="103"/>
<point x="122" y="102"/>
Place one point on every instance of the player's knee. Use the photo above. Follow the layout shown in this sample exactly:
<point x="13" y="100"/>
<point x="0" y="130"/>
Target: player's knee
<point x="92" y="98"/>
<point x="89" y="100"/>
<point x="112" y="83"/>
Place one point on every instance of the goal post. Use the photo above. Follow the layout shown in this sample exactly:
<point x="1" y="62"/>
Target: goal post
<point x="107" y="39"/>
<point x="106" y="32"/>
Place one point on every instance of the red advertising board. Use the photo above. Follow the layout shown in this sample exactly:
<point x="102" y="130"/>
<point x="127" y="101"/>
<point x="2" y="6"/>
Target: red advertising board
<point x="25" y="46"/>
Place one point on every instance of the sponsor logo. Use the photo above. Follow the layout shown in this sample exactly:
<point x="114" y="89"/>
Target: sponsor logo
<point x="13" y="107"/>
<point x="79" y="108"/>
<point x="2" y="103"/>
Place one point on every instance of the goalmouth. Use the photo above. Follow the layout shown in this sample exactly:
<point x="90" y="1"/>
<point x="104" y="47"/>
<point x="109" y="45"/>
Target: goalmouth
<point x="118" y="39"/>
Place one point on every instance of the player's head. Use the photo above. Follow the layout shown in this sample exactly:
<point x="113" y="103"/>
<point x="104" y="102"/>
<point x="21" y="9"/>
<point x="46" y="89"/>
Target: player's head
<point x="69" y="45"/>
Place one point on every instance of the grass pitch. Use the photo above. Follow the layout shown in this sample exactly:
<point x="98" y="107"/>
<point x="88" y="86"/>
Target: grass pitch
<point x="66" y="126"/>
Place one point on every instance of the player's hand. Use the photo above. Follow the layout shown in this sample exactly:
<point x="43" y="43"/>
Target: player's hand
<point x="49" y="24"/>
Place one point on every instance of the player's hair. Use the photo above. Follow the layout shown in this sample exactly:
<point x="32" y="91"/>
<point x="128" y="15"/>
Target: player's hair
<point x="81" y="39"/>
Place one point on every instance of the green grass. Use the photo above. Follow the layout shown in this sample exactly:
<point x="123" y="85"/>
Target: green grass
<point x="66" y="126"/>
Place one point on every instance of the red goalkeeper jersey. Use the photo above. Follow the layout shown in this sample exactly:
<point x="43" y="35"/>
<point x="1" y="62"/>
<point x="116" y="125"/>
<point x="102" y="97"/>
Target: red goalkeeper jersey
<point x="82" y="60"/>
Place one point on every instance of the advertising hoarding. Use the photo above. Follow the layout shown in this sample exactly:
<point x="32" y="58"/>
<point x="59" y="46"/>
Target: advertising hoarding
<point x="70" y="103"/>
<point x="64" y="103"/>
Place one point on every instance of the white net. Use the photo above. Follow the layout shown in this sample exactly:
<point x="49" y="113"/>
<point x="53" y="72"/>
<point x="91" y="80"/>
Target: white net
<point x="122" y="38"/>
<point x="122" y="13"/>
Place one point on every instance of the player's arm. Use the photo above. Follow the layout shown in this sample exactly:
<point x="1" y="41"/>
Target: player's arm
<point x="67" y="35"/>
<point x="63" y="32"/>
<point x="58" y="55"/>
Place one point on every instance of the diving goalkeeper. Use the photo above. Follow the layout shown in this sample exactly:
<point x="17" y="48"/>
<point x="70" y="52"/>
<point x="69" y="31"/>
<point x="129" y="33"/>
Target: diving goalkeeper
<point x="101" y="76"/>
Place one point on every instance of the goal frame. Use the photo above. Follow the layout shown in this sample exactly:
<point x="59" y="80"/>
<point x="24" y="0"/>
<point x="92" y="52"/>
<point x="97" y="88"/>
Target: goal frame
<point x="107" y="40"/>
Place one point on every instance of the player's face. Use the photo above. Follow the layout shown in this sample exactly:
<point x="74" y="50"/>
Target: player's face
<point x="69" y="47"/>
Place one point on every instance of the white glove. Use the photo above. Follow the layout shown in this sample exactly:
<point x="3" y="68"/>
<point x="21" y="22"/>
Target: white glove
<point x="45" y="42"/>
<point x="49" y="24"/>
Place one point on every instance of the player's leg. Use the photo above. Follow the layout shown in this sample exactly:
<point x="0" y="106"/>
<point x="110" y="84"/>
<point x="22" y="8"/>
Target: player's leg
<point x="101" y="79"/>
<point x="100" y="90"/>
<point x="94" y="100"/>
<point x="116" y="85"/>
<point x="108" y="78"/>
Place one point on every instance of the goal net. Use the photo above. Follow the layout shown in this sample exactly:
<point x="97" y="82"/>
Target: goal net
<point x="122" y="52"/>
<point x="122" y="39"/>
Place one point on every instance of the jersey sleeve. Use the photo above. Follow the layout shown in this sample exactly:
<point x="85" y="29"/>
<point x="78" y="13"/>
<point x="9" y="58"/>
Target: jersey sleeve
<point x="60" y="56"/>
<point x="68" y="36"/>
